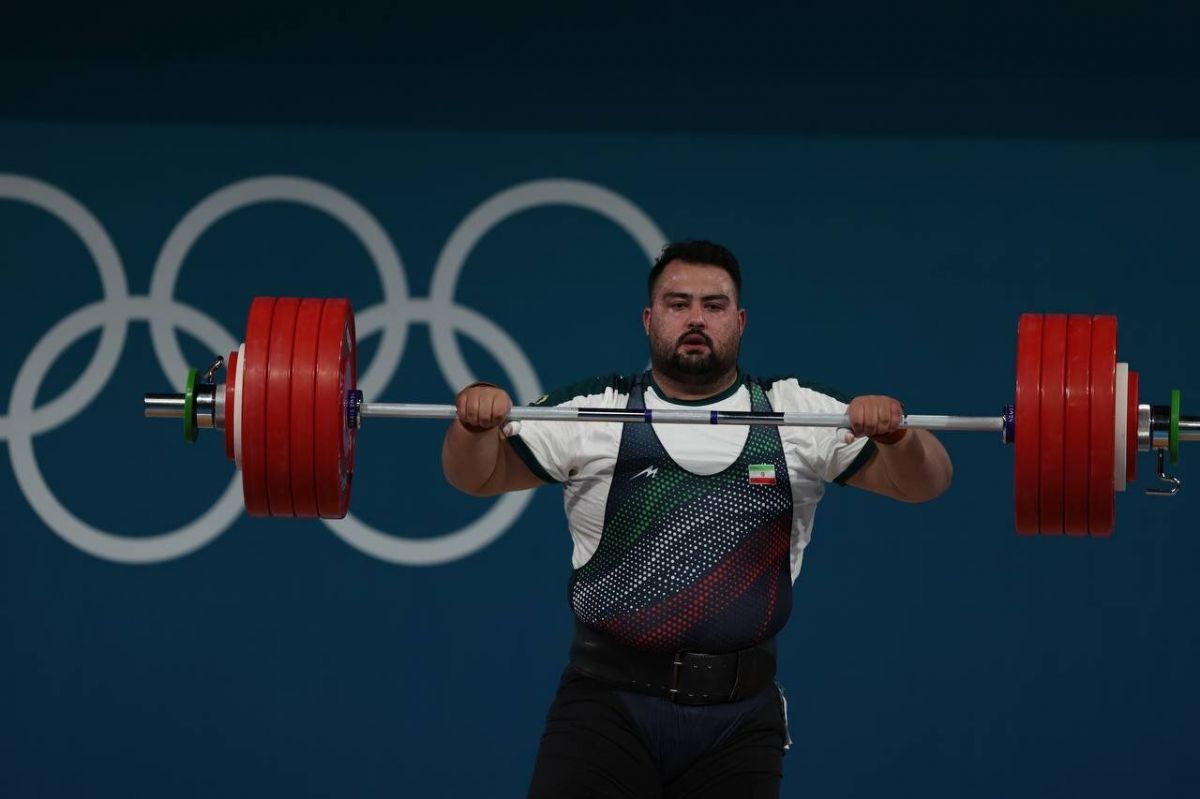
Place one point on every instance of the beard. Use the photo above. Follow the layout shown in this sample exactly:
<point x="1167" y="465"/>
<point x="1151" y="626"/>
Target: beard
<point x="693" y="369"/>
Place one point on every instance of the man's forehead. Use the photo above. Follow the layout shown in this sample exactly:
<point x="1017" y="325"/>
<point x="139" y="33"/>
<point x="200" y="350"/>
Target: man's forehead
<point x="680" y="276"/>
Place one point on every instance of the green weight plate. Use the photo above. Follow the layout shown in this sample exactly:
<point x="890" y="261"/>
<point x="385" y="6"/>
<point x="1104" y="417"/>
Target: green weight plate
<point x="189" y="408"/>
<point x="1173" y="435"/>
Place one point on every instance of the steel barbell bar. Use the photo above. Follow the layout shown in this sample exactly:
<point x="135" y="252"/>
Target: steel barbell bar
<point x="382" y="410"/>
<point x="298" y="360"/>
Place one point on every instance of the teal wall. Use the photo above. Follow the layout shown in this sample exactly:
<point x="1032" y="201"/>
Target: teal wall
<point x="931" y="649"/>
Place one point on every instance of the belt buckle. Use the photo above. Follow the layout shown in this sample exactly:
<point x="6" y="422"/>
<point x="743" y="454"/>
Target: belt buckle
<point x="677" y="664"/>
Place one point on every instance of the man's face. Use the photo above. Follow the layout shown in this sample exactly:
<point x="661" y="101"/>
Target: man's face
<point x="694" y="323"/>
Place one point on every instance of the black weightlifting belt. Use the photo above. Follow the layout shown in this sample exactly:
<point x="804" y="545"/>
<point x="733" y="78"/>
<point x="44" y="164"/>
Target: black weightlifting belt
<point x="686" y="678"/>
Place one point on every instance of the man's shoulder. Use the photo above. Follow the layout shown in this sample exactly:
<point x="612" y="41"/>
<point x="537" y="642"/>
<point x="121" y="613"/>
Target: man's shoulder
<point x="794" y="386"/>
<point x="591" y="387"/>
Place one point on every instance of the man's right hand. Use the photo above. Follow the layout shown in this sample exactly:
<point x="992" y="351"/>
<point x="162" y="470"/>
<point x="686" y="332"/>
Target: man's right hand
<point x="483" y="465"/>
<point x="482" y="406"/>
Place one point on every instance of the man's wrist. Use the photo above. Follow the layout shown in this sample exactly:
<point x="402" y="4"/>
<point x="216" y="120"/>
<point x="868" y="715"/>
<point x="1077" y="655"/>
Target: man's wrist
<point x="891" y="439"/>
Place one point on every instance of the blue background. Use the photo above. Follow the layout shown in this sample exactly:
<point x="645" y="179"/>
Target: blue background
<point x="891" y="250"/>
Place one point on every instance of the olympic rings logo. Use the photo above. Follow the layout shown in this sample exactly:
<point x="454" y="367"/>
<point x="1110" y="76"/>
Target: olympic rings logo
<point x="390" y="318"/>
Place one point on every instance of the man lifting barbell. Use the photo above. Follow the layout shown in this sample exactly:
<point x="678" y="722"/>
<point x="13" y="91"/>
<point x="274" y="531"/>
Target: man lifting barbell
<point x="686" y="541"/>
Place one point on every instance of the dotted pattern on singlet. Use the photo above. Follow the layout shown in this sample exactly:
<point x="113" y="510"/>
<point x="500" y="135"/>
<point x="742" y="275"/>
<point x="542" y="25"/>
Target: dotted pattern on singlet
<point x="690" y="561"/>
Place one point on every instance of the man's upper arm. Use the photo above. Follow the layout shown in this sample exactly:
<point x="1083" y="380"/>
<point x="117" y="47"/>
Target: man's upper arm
<point x="511" y="474"/>
<point x="873" y="476"/>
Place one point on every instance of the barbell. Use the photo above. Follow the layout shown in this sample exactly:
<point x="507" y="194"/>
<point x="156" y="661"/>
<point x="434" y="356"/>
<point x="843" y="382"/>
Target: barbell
<point x="290" y="410"/>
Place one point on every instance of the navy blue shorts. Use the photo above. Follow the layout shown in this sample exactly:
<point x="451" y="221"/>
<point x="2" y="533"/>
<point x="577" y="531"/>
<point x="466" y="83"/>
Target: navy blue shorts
<point x="602" y="742"/>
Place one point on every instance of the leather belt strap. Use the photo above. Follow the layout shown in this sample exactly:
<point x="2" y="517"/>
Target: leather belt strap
<point x="684" y="677"/>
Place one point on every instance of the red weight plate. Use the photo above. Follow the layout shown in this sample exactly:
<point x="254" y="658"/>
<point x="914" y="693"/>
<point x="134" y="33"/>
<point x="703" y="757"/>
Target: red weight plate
<point x="1027" y="412"/>
<point x="254" y="406"/>
<point x="1053" y="400"/>
<point x="1102" y="492"/>
<point x="334" y="440"/>
<point x="1131" y="448"/>
<point x="230" y="400"/>
<point x="304" y="381"/>
<point x="1077" y="425"/>
<point x="279" y="407"/>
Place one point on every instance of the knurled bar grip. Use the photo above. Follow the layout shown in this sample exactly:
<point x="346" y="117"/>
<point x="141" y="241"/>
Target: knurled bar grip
<point x="380" y="410"/>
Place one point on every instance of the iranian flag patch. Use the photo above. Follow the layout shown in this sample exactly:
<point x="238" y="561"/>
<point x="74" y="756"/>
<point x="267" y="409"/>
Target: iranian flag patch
<point x="762" y="474"/>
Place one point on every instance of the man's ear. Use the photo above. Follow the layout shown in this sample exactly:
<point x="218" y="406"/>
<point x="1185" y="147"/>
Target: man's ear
<point x="646" y="320"/>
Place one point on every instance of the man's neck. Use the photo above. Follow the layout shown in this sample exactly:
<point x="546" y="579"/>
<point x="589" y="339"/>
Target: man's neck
<point x="691" y="392"/>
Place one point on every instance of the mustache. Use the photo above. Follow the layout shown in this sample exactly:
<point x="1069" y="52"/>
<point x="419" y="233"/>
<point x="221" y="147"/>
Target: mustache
<point x="699" y="333"/>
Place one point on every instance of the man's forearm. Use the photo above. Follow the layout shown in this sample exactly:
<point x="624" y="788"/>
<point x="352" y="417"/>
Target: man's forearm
<point x="469" y="459"/>
<point x="917" y="466"/>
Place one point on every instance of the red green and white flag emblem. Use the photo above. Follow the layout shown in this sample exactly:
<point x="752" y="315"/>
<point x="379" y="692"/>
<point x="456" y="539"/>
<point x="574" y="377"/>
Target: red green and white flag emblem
<point x="762" y="474"/>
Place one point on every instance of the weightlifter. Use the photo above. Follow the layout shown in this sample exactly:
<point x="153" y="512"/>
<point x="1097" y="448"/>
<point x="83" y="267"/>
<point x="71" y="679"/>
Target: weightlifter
<point x="687" y="540"/>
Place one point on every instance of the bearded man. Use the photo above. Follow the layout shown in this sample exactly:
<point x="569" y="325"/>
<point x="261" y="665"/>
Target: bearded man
<point x="687" y="540"/>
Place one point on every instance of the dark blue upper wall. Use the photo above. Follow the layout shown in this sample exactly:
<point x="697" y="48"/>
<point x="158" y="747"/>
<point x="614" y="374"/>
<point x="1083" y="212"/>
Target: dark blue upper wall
<point x="945" y="69"/>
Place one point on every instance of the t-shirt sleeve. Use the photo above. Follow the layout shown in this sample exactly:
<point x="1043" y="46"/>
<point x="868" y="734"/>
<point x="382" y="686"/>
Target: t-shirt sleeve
<point x="825" y="448"/>
<point x="846" y="459"/>
<point x="545" y="447"/>
<point x="551" y="449"/>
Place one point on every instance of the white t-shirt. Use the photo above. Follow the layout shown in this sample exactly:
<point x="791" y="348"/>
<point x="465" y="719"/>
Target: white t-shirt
<point x="582" y="455"/>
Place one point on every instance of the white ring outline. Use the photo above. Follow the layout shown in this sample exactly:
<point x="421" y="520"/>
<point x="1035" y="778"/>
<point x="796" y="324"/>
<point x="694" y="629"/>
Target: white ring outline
<point x="101" y="544"/>
<point x="495" y="522"/>
<point x="99" y="244"/>
<point x="437" y="311"/>
<point x="499" y="207"/>
<point x="441" y="308"/>
<point x="302" y="191"/>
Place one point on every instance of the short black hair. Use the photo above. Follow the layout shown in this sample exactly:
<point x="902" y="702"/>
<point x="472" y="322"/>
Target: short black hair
<point x="700" y="252"/>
